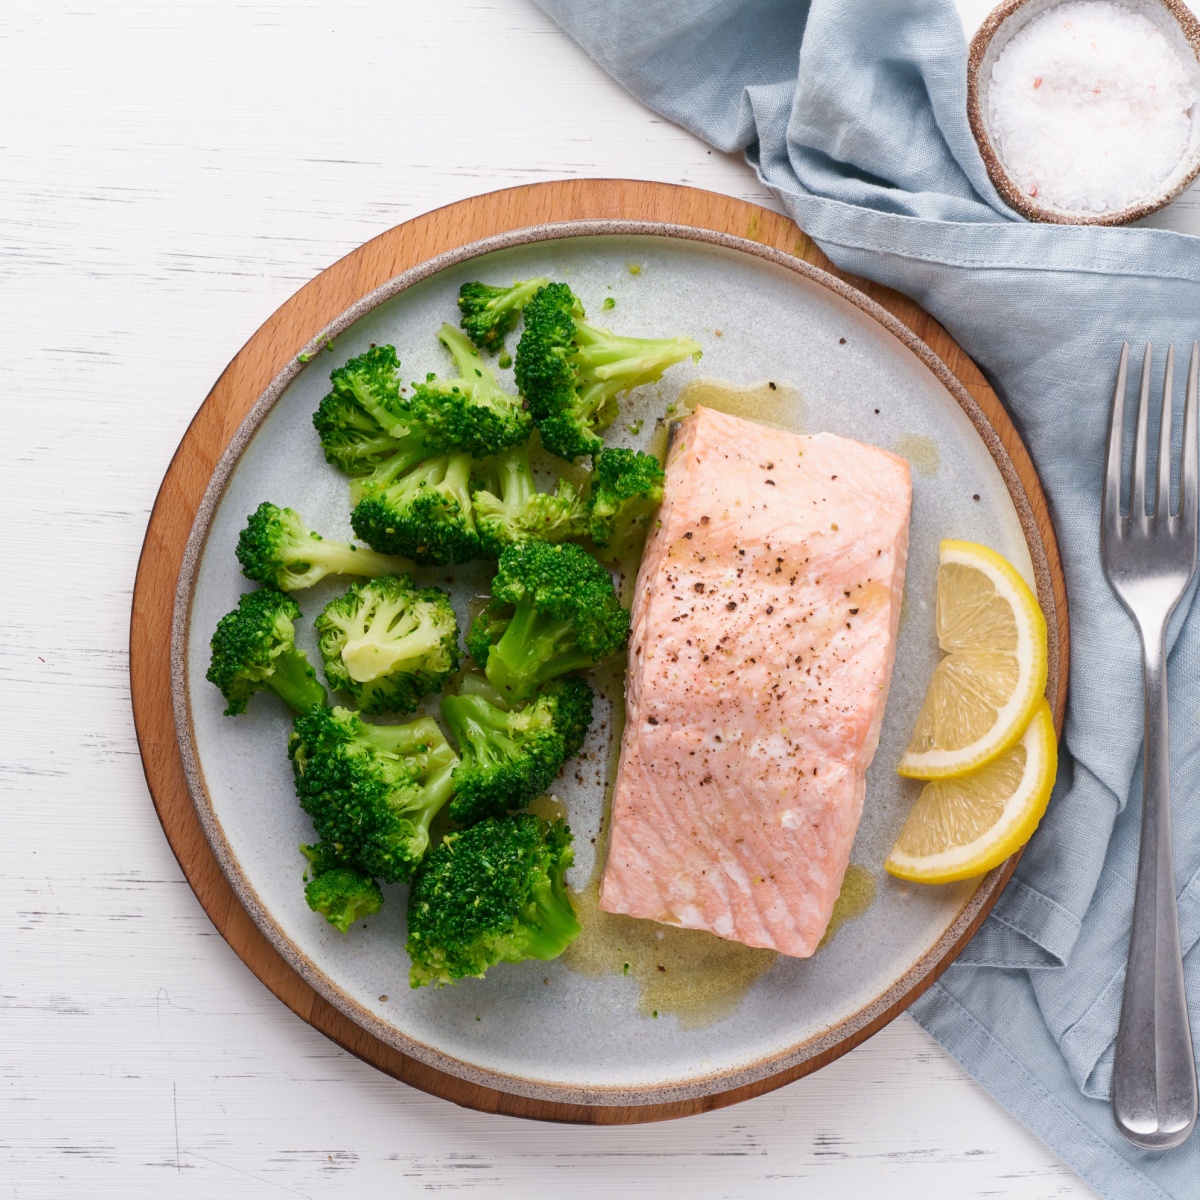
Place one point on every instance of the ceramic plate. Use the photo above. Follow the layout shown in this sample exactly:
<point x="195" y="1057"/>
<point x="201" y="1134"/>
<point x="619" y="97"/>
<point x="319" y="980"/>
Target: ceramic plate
<point x="691" y="1015"/>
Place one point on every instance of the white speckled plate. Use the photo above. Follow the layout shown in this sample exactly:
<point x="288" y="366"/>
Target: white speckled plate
<point x="545" y="1030"/>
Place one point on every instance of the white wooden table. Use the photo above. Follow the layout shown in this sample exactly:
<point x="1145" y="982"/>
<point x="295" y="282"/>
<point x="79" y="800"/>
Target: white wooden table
<point x="169" y="174"/>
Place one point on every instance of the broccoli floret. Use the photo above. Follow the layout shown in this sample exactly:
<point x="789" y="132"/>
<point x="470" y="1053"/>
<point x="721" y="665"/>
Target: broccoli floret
<point x="337" y="890"/>
<point x="627" y="487"/>
<point x="363" y="421"/>
<point x="471" y="412"/>
<point x="562" y="615"/>
<point x="278" y="549"/>
<point x="372" y="789"/>
<point x="571" y="372"/>
<point x="343" y="895"/>
<point x="511" y="756"/>
<point x="490" y="622"/>
<point x="322" y="857"/>
<point x="425" y="514"/>
<point x="508" y="508"/>
<point x="388" y="643"/>
<point x="492" y="893"/>
<point x="254" y="649"/>
<point x="491" y="313"/>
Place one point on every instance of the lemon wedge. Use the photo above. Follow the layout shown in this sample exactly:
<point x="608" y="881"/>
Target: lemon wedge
<point x="984" y="692"/>
<point x="965" y="826"/>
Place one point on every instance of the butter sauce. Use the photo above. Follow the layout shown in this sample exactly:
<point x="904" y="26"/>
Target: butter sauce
<point x="771" y="402"/>
<point x="921" y="451"/>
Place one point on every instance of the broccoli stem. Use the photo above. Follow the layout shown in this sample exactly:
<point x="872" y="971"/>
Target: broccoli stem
<point x="608" y="355"/>
<point x="481" y="725"/>
<point x="379" y="413"/>
<point x="467" y="361"/>
<point x="457" y="480"/>
<point x="518" y="296"/>
<point x="610" y="364"/>
<point x="341" y="558"/>
<point x="437" y="790"/>
<point x="410" y="739"/>
<point x="474" y="683"/>
<point x="295" y="682"/>
<point x="534" y="649"/>
<point x="555" y="925"/>
<point x="410" y="450"/>
<point x="514" y="479"/>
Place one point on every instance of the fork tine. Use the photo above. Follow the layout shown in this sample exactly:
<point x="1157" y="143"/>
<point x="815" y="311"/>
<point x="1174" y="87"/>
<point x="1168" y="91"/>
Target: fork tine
<point x="1188" y="468"/>
<point x="1137" y="498"/>
<point x="1111" y="520"/>
<point x="1162" y="503"/>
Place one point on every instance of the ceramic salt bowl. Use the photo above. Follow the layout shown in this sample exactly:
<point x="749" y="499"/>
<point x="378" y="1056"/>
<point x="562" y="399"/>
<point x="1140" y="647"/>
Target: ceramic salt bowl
<point x="1182" y="30"/>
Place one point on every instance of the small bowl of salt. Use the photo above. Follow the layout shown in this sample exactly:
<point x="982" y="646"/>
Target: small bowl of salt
<point x="1086" y="111"/>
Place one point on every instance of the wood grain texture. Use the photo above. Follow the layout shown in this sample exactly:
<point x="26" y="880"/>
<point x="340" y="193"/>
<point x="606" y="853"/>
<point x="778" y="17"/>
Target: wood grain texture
<point x="274" y="345"/>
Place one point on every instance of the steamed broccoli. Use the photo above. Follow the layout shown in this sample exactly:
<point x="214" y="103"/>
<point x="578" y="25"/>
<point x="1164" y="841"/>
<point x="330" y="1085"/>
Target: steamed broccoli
<point x="491" y="313"/>
<point x="489" y="623"/>
<point x="277" y="548"/>
<point x="363" y="422"/>
<point x="425" y="514"/>
<point x="560" y="613"/>
<point x="322" y="857"/>
<point x="571" y="372"/>
<point x="254" y="649"/>
<point x="509" y="508"/>
<point x="388" y="643"/>
<point x="626" y="488"/>
<point x="509" y="757"/>
<point x="373" y="790"/>
<point x="470" y="412"/>
<point x="368" y="428"/>
<point x="338" y="892"/>
<point x="492" y="893"/>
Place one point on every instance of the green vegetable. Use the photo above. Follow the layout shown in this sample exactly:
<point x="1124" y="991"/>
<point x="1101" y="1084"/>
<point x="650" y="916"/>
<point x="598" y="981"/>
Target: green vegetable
<point x="388" y="643"/>
<point x="511" y="756"/>
<point x="488" y="894"/>
<point x="322" y="857"/>
<point x="363" y="421"/>
<point x="490" y="622"/>
<point x="373" y="790"/>
<point x="339" y="893"/>
<point x="277" y="548"/>
<point x="554" y="611"/>
<point x="626" y="490"/>
<point x="490" y="313"/>
<point x="369" y="428"/>
<point x="470" y="412"/>
<point x="571" y="372"/>
<point x="425" y="514"/>
<point x="254" y="649"/>
<point x="509" y="508"/>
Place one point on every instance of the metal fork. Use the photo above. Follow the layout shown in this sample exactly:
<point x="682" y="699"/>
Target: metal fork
<point x="1149" y="558"/>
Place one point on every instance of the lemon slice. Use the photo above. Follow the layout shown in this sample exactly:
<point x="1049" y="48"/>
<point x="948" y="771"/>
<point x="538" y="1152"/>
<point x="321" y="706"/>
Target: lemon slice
<point x="984" y="692"/>
<point x="967" y="825"/>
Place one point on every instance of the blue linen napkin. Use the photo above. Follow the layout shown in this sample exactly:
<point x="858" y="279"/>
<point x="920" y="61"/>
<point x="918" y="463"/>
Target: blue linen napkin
<point x="855" y="113"/>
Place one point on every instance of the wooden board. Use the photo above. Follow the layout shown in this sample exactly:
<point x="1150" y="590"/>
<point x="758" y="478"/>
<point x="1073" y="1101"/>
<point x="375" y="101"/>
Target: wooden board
<point x="240" y="385"/>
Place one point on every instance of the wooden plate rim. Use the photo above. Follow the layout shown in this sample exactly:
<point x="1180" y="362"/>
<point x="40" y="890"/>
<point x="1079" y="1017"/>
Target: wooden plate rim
<point x="895" y="998"/>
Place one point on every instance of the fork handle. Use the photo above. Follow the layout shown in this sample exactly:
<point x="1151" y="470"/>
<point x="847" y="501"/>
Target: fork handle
<point x="1154" y="1069"/>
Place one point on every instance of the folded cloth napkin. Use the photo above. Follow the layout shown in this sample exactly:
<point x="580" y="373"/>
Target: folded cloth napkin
<point x="854" y="112"/>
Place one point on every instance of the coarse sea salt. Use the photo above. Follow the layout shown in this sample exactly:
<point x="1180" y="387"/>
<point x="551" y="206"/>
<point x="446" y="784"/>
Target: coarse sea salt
<point x="1089" y="107"/>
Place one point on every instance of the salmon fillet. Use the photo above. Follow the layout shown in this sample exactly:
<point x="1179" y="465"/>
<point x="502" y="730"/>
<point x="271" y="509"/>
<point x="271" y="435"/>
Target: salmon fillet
<point x="764" y="631"/>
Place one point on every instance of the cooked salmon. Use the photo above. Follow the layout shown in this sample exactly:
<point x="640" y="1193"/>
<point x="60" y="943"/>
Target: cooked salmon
<point x="764" y="631"/>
